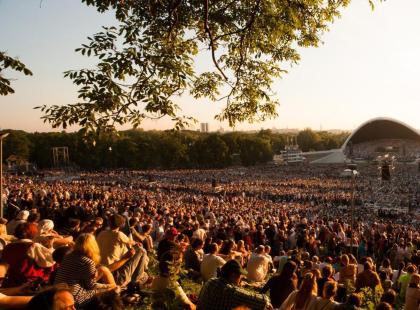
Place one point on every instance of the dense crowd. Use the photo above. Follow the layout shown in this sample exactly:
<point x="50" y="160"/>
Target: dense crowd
<point x="404" y="150"/>
<point x="260" y="238"/>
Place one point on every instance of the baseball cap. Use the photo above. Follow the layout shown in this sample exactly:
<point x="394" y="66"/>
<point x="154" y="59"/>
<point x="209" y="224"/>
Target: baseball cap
<point x="172" y="231"/>
<point x="232" y="266"/>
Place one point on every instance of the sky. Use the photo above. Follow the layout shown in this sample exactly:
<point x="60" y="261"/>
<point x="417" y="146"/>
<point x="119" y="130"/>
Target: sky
<point x="368" y="66"/>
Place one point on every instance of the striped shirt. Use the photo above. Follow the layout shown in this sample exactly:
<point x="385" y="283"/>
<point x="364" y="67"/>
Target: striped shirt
<point x="78" y="272"/>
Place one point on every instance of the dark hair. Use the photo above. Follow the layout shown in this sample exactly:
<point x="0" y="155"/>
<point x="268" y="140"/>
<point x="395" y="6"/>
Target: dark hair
<point x="197" y="243"/>
<point x="146" y="227"/>
<point x="288" y="270"/>
<point x="411" y="268"/>
<point x="212" y="248"/>
<point x="116" y="221"/>
<point x="73" y="223"/>
<point x="330" y="289"/>
<point x="34" y="217"/>
<point x="227" y="247"/>
<point x="59" y="253"/>
<point x="354" y="300"/>
<point x="367" y="266"/>
<point x="386" y="263"/>
<point x="164" y="263"/>
<point x="307" y="264"/>
<point x="389" y="297"/>
<point x="327" y="271"/>
<point x="132" y="221"/>
<point x="401" y="267"/>
<point x="45" y="299"/>
<point x="105" y="301"/>
<point x="383" y="275"/>
<point x="26" y="230"/>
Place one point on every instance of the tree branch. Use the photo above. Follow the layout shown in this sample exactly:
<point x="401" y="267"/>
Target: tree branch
<point x="208" y="31"/>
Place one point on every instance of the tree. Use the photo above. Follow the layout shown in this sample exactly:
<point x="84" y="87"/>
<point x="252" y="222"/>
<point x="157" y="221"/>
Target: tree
<point x="173" y="152"/>
<point x="18" y="144"/>
<point x="211" y="151"/>
<point x="308" y="140"/>
<point x="255" y="150"/>
<point x="7" y="62"/>
<point x="148" y="59"/>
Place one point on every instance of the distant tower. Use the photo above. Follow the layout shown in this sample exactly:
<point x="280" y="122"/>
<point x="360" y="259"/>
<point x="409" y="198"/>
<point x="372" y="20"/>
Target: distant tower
<point x="60" y="156"/>
<point x="204" y="127"/>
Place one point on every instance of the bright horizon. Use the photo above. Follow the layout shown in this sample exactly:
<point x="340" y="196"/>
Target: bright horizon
<point x="368" y="67"/>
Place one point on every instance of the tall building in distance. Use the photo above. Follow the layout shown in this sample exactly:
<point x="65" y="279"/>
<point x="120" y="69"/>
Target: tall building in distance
<point x="204" y="127"/>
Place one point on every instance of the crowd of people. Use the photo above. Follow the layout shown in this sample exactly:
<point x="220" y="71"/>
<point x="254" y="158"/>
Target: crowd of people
<point x="253" y="238"/>
<point x="402" y="149"/>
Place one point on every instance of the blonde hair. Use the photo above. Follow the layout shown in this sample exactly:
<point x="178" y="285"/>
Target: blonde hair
<point x="86" y="245"/>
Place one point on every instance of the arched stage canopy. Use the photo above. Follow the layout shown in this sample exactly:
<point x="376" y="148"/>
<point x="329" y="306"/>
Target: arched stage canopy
<point x="382" y="128"/>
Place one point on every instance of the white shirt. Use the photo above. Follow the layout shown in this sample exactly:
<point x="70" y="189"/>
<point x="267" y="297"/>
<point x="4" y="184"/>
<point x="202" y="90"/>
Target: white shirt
<point x="257" y="267"/>
<point x="209" y="266"/>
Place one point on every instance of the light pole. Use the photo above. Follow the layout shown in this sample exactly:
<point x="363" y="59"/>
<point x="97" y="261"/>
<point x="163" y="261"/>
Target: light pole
<point x="353" y="174"/>
<point x="2" y="136"/>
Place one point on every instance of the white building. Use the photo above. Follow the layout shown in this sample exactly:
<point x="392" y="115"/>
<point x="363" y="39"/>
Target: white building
<point x="204" y="127"/>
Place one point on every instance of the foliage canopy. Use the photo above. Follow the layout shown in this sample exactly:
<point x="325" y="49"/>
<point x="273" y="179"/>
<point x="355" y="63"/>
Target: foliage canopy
<point x="137" y="149"/>
<point x="146" y="61"/>
<point x="7" y="62"/>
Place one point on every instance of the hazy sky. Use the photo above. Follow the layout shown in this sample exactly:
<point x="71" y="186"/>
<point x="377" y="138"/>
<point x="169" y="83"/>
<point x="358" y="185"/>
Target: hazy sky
<point x="368" y="66"/>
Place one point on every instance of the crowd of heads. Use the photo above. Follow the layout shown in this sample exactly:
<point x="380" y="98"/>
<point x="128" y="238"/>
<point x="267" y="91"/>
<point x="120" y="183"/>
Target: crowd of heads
<point x="303" y="224"/>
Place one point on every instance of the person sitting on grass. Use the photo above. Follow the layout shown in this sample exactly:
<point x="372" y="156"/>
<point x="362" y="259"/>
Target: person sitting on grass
<point x="225" y="293"/>
<point x="126" y="259"/>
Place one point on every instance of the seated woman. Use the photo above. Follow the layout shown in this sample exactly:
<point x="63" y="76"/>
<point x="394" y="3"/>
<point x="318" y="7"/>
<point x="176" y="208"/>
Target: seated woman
<point x="47" y="233"/>
<point x="245" y="254"/>
<point x="80" y="271"/>
<point x="302" y="298"/>
<point x="28" y="261"/>
<point x="228" y="251"/>
<point x="133" y="222"/>
<point x="146" y="229"/>
<point x="326" y="302"/>
<point x="282" y="284"/>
